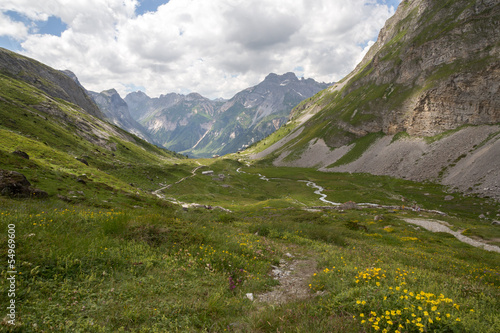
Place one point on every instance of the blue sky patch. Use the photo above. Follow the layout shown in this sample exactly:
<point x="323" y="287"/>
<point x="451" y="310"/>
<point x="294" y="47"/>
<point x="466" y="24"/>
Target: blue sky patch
<point x="53" y="26"/>
<point x="10" y="43"/>
<point x="149" y="6"/>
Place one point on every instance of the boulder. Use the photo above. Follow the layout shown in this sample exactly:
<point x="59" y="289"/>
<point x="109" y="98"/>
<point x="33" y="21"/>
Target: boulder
<point x="15" y="184"/>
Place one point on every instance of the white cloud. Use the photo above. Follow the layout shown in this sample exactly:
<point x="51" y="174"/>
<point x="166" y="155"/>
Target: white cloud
<point x="10" y="28"/>
<point x="215" y="47"/>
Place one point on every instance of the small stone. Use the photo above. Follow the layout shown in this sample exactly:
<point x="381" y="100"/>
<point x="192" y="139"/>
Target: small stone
<point x="449" y="197"/>
<point x="482" y="216"/>
<point x="495" y="222"/>
<point x="349" y="205"/>
<point x="289" y="255"/>
<point x="37" y="193"/>
<point x="250" y="296"/>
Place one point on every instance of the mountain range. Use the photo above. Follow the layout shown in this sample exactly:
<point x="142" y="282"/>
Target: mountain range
<point x="200" y="127"/>
<point x="197" y="126"/>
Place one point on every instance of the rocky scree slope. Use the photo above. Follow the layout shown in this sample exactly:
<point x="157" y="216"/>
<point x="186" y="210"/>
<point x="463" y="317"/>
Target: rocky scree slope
<point x="202" y="127"/>
<point x="435" y="68"/>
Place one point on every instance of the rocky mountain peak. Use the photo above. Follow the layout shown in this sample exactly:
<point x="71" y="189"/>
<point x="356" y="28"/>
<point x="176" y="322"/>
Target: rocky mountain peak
<point x="110" y="92"/>
<point x="194" y="96"/>
<point x="278" y="79"/>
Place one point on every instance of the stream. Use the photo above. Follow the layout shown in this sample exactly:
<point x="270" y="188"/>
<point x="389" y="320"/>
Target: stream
<point x="319" y="189"/>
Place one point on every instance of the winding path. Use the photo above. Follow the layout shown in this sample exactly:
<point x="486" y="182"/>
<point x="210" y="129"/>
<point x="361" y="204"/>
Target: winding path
<point x="185" y="204"/>
<point x="193" y="173"/>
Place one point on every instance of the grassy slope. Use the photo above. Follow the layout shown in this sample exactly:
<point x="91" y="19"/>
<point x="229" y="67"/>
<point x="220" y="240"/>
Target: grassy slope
<point x="53" y="141"/>
<point x="166" y="269"/>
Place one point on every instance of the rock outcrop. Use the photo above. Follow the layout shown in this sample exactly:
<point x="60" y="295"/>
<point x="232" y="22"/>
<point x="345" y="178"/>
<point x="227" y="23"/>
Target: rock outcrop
<point x="15" y="184"/>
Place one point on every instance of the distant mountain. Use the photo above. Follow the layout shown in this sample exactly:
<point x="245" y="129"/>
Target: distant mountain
<point x="175" y="121"/>
<point x="201" y="127"/>
<point x="116" y="111"/>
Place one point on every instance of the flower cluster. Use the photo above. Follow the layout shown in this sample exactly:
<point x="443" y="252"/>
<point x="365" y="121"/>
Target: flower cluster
<point x="371" y="274"/>
<point x="398" y="309"/>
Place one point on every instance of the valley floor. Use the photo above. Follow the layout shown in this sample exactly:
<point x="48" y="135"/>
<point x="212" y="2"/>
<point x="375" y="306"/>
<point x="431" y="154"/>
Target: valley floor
<point x="275" y="259"/>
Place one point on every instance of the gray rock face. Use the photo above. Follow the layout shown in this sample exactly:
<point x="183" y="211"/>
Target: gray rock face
<point x="444" y="59"/>
<point x="53" y="82"/>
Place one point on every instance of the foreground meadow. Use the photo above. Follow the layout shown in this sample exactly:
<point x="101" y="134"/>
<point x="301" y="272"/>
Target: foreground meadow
<point x="155" y="267"/>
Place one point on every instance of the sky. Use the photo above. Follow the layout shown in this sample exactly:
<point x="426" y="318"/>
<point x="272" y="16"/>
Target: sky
<point x="213" y="47"/>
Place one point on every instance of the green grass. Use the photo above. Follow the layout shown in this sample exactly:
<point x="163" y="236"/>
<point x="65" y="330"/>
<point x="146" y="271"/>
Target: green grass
<point x="91" y="269"/>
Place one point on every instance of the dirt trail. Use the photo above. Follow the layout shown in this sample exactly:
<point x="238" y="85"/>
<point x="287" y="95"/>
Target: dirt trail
<point x="185" y="204"/>
<point x="193" y="173"/>
<point x="440" y="226"/>
<point x="293" y="278"/>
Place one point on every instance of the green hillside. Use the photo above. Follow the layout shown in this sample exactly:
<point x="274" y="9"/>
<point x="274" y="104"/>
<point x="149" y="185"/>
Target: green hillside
<point x="58" y="136"/>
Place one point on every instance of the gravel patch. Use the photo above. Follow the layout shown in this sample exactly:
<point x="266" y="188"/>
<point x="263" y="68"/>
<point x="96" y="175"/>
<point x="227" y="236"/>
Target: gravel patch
<point x="310" y="156"/>
<point x="441" y="226"/>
